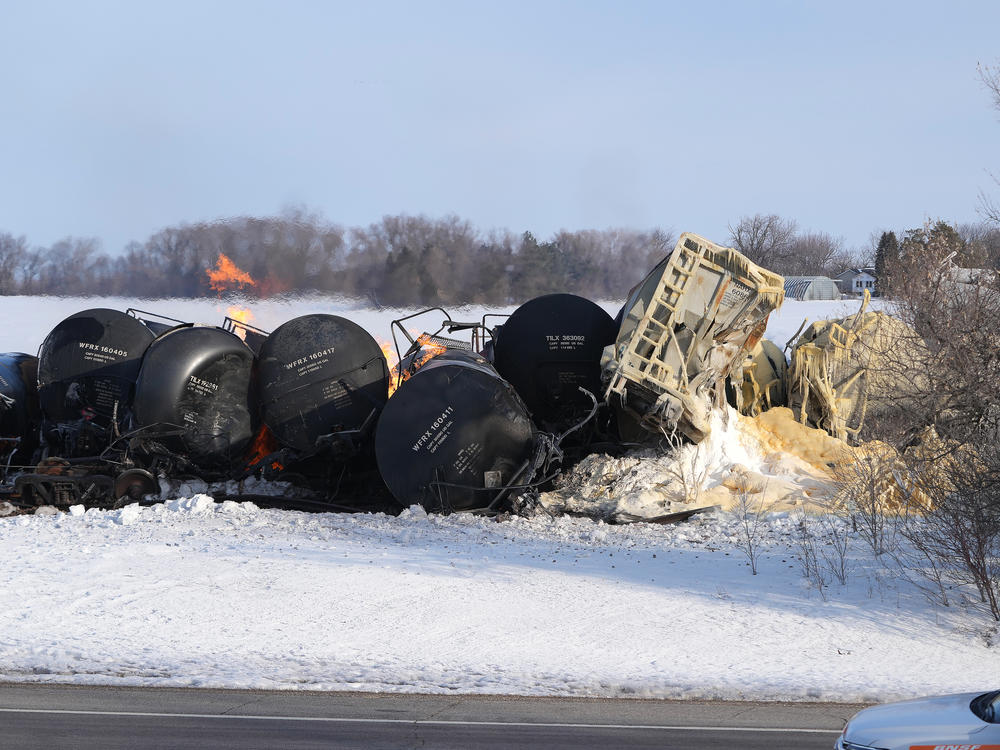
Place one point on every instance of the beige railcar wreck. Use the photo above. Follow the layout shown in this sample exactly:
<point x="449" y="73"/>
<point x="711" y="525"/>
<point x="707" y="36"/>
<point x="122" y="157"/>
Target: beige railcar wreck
<point x="686" y="328"/>
<point x="846" y="371"/>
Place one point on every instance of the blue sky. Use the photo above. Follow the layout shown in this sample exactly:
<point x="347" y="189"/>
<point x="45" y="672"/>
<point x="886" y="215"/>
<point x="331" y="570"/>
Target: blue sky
<point x="117" y="119"/>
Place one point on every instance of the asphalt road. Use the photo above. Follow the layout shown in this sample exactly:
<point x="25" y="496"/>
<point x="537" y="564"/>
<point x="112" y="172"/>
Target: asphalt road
<point x="57" y="716"/>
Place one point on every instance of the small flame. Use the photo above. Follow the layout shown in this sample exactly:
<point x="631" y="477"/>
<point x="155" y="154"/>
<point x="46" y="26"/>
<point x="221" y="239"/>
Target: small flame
<point x="389" y="352"/>
<point x="240" y="315"/>
<point x="227" y="276"/>
<point x="413" y="362"/>
<point x="264" y="444"/>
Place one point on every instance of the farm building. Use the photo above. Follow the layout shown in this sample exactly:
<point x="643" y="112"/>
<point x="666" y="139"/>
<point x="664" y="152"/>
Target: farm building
<point x="810" y="287"/>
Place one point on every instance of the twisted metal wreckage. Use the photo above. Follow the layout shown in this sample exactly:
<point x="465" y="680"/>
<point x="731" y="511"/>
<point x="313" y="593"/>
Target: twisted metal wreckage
<point x="124" y="407"/>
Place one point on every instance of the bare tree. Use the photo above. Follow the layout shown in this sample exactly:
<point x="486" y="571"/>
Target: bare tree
<point x="751" y="512"/>
<point x="861" y="489"/>
<point x="808" y="557"/>
<point x="12" y="253"/>
<point x="954" y="360"/>
<point x="764" y="239"/>
<point x="814" y="254"/>
<point x="960" y="535"/>
<point x="954" y="371"/>
<point x="990" y="77"/>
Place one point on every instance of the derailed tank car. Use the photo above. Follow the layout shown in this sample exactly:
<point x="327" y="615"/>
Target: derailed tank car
<point x="323" y="382"/>
<point x="19" y="415"/>
<point x="194" y="396"/>
<point x="455" y="436"/>
<point x="87" y="367"/>
<point x="549" y="349"/>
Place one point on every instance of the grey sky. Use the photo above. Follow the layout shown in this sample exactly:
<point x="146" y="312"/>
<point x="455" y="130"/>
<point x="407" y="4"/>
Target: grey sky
<point x="117" y="119"/>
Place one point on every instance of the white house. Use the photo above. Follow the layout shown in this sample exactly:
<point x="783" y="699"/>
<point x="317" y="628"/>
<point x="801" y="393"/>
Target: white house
<point x="857" y="280"/>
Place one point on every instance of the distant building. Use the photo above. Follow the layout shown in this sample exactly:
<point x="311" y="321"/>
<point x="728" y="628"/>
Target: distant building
<point x="857" y="280"/>
<point x="976" y="276"/>
<point x="810" y="287"/>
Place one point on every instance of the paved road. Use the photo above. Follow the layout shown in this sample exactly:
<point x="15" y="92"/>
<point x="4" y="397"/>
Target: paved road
<point x="47" y="716"/>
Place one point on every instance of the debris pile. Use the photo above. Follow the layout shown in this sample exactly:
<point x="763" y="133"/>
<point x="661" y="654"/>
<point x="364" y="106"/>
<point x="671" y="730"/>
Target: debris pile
<point x="782" y="463"/>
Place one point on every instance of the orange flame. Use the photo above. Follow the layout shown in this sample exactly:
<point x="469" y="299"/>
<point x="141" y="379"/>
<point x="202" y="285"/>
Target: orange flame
<point x="240" y="315"/>
<point x="264" y="444"/>
<point x="413" y="362"/>
<point x="226" y="275"/>
<point x="389" y="352"/>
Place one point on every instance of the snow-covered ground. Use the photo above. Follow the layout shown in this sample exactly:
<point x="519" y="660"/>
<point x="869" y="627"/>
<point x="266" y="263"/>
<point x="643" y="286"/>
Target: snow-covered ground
<point x="34" y="317"/>
<point x="197" y="593"/>
<point x="204" y="594"/>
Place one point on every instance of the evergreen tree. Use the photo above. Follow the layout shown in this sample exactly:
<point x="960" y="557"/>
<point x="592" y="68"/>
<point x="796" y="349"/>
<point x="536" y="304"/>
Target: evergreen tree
<point x="886" y="253"/>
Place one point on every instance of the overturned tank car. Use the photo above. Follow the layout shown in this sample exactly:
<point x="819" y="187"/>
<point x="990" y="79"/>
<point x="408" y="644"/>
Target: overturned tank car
<point x="86" y="372"/>
<point x="455" y="436"/>
<point x="550" y="350"/>
<point x="685" y="329"/>
<point x="323" y="381"/>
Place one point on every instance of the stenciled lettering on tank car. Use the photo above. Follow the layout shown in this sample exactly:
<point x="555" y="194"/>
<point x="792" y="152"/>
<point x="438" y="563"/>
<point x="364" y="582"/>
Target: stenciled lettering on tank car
<point x="310" y="358"/>
<point x="435" y="426"/>
<point x="102" y="349"/>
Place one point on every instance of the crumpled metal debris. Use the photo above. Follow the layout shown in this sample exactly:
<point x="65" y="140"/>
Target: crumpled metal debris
<point x="685" y="328"/>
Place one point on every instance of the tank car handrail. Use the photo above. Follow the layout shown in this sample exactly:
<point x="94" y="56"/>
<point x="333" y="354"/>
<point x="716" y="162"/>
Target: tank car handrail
<point x="457" y="325"/>
<point x="228" y="324"/>
<point x="478" y="342"/>
<point x="136" y="312"/>
<point x="399" y="322"/>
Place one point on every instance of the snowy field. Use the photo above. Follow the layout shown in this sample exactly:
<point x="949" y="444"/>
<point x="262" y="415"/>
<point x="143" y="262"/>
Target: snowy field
<point x="31" y="318"/>
<point x="202" y="594"/>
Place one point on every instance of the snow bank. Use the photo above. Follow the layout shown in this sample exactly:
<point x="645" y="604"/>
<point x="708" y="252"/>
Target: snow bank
<point x="229" y="595"/>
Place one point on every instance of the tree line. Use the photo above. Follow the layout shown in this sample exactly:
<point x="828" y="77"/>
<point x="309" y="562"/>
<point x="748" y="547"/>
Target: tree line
<point x="398" y="261"/>
<point x="416" y="260"/>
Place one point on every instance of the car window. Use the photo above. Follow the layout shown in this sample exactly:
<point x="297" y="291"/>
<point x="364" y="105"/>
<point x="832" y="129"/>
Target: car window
<point x="987" y="707"/>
